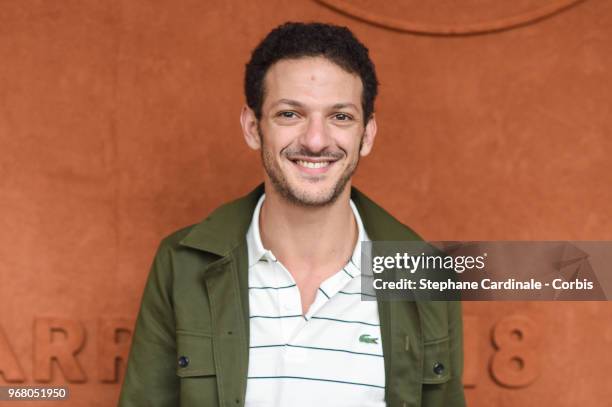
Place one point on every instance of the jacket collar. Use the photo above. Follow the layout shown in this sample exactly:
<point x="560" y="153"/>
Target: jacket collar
<point x="227" y="226"/>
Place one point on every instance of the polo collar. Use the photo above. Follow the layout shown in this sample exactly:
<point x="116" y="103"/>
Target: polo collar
<point x="257" y="251"/>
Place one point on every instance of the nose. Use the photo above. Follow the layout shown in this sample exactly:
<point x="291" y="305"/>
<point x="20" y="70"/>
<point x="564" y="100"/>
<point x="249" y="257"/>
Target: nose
<point x="315" y="137"/>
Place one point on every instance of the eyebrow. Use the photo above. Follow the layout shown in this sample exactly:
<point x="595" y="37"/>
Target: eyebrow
<point x="287" y="102"/>
<point x="295" y="103"/>
<point x="343" y="105"/>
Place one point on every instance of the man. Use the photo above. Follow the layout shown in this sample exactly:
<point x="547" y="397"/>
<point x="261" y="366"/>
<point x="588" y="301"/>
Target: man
<point x="260" y="304"/>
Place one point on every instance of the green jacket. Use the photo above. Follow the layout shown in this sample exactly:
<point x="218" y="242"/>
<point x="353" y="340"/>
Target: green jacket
<point x="196" y="305"/>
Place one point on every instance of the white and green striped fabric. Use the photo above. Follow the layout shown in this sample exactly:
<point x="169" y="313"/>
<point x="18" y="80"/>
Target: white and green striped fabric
<point x="332" y="356"/>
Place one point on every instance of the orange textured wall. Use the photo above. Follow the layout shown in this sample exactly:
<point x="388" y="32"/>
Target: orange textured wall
<point x="119" y="124"/>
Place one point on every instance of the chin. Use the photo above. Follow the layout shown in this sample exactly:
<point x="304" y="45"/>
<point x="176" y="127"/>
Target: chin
<point x="313" y="197"/>
<point x="306" y="192"/>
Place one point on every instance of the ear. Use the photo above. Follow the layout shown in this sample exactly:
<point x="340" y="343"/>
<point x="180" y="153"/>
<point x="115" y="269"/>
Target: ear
<point x="249" y="122"/>
<point x="368" y="136"/>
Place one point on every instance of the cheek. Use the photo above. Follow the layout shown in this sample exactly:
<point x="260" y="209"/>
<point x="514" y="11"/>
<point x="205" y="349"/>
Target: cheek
<point x="275" y="152"/>
<point x="278" y="138"/>
<point x="350" y="144"/>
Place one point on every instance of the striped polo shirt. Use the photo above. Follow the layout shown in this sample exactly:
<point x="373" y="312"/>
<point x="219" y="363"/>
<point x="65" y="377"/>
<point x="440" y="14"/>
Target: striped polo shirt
<point x="332" y="356"/>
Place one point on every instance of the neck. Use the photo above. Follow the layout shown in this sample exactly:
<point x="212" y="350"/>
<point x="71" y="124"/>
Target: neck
<point x="310" y="237"/>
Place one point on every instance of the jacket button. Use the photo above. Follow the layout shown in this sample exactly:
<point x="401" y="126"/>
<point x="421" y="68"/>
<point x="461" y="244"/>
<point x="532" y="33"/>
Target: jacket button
<point x="183" y="361"/>
<point x="438" y="368"/>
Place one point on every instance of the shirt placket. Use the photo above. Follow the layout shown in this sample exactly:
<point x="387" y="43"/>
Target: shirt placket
<point x="288" y="303"/>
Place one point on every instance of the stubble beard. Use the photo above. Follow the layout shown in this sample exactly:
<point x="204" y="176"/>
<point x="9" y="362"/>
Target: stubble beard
<point x="301" y="197"/>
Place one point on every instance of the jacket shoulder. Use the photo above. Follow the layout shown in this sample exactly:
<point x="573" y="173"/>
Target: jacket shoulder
<point x="173" y="240"/>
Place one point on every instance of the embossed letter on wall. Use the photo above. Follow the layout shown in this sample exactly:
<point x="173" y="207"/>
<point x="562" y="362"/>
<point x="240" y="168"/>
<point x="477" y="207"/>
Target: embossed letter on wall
<point x="59" y="340"/>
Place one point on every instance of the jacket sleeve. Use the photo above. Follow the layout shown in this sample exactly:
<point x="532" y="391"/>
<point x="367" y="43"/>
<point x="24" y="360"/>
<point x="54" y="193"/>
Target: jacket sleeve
<point x="150" y="378"/>
<point x="454" y="390"/>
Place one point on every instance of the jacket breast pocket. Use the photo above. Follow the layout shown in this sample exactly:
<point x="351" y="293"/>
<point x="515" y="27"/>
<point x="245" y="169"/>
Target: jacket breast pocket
<point x="436" y="362"/>
<point x="195" y="365"/>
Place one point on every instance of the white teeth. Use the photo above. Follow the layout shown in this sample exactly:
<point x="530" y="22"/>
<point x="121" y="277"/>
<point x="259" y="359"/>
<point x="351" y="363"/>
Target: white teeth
<point x="309" y="164"/>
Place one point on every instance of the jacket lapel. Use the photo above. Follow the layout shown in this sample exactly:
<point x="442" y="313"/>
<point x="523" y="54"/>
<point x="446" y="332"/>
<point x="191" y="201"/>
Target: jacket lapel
<point x="400" y="321"/>
<point x="223" y="234"/>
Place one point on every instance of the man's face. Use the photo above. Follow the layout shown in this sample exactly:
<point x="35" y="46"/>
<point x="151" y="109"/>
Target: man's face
<point x="311" y="130"/>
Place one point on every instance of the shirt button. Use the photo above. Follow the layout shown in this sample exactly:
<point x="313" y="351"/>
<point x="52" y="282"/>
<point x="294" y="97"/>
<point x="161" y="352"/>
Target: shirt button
<point x="438" y="368"/>
<point x="183" y="361"/>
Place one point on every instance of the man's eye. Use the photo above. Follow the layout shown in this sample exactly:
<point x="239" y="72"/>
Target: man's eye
<point x="342" y="117"/>
<point x="287" y="115"/>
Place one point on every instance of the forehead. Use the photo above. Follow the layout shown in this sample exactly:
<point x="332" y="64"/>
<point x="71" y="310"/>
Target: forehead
<point x="312" y="81"/>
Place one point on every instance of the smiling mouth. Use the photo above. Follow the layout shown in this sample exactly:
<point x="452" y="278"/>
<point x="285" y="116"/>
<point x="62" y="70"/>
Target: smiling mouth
<point x="312" y="164"/>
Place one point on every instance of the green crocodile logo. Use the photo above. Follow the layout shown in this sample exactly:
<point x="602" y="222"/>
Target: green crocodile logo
<point x="365" y="338"/>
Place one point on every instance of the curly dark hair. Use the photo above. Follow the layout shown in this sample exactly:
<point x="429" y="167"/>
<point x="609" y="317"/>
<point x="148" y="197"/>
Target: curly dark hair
<point x="295" y="40"/>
